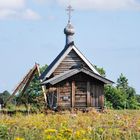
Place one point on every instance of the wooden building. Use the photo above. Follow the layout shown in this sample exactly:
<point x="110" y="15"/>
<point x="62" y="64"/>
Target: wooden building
<point x="71" y="81"/>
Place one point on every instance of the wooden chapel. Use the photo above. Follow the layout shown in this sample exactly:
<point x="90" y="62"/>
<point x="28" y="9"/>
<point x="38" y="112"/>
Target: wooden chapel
<point x="71" y="81"/>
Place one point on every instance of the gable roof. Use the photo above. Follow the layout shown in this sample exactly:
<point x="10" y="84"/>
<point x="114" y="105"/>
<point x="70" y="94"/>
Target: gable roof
<point x="73" y="72"/>
<point x="51" y="68"/>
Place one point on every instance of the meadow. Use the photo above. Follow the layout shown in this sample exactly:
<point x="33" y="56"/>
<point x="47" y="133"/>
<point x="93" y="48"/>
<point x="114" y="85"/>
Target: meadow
<point x="111" y="125"/>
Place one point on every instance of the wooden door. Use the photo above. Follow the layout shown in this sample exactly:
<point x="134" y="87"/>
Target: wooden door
<point x="81" y="94"/>
<point x="94" y="98"/>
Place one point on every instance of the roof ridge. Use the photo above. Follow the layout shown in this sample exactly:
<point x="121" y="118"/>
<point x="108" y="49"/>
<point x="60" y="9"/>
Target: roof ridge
<point x="51" y="68"/>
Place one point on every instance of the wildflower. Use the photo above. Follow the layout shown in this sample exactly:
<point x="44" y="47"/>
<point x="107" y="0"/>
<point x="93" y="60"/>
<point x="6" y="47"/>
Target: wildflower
<point x="68" y="131"/>
<point x="80" y="133"/>
<point x="48" y="137"/>
<point x="77" y="134"/>
<point x="48" y="131"/>
<point x="60" y="134"/>
<point x="100" y="130"/>
<point x="18" y="138"/>
<point x="89" y="128"/>
<point x="139" y="128"/>
<point x="83" y="132"/>
<point x="59" y="137"/>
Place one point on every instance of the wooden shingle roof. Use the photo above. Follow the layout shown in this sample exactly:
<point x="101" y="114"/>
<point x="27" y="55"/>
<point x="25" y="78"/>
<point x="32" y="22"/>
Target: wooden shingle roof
<point x="73" y="72"/>
<point x="51" y="68"/>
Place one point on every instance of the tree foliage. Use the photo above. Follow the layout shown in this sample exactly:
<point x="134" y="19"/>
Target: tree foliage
<point x="122" y="82"/>
<point x="101" y="71"/>
<point x="116" y="97"/>
<point x="4" y="96"/>
<point x="122" y="96"/>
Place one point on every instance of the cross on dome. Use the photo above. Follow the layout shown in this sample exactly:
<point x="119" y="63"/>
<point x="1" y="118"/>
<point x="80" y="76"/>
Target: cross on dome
<point x="70" y="10"/>
<point x="69" y="29"/>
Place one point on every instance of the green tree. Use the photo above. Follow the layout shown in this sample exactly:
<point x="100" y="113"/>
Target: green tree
<point x="122" y="96"/>
<point x="101" y="71"/>
<point x="122" y="82"/>
<point x="116" y="97"/>
<point x="4" y="96"/>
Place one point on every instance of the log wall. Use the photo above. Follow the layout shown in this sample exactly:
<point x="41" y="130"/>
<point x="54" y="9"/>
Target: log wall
<point x="80" y="91"/>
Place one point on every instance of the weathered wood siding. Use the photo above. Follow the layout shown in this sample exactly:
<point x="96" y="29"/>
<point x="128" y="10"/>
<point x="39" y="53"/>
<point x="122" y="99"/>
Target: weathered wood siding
<point x="64" y="94"/>
<point x="72" y="59"/>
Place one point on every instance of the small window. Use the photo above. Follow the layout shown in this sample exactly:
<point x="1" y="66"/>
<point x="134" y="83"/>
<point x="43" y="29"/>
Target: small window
<point x="65" y="98"/>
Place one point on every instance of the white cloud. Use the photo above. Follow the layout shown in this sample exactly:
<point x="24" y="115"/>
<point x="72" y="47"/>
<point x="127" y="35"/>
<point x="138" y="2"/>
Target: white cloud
<point x="16" y="9"/>
<point x="30" y="14"/>
<point x="44" y="1"/>
<point x="12" y="4"/>
<point x="102" y="4"/>
<point x="26" y="14"/>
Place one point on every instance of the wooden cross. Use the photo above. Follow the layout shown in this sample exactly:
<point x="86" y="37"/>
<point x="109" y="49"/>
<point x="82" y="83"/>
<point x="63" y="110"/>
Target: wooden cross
<point x="69" y="9"/>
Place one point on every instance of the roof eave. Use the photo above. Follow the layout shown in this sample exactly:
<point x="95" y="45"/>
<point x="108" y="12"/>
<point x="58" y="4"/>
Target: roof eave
<point x="70" y="73"/>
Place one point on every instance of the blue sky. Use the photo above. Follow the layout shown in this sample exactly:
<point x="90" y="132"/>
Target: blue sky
<point x="107" y="33"/>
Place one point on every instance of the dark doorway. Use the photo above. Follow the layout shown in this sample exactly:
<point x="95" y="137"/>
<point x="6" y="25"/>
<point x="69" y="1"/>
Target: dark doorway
<point x="52" y="99"/>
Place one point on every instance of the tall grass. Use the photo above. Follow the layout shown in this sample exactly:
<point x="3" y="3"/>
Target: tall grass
<point x="111" y="125"/>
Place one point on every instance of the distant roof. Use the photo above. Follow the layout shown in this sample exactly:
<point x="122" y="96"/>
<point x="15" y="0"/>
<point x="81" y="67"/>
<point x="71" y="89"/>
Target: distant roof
<point x="73" y="72"/>
<point x="51" y="68"/>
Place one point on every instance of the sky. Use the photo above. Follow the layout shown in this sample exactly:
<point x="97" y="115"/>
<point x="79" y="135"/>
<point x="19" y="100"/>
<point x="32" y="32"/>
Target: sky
<point x="107" y="32"/>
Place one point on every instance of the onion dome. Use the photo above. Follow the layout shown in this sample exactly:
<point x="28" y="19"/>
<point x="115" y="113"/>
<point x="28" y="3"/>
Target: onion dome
<point x="69" y="29"/>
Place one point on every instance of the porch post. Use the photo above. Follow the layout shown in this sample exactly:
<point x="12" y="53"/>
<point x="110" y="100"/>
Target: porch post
<point x="73" y="94"/>
<point x="102" y="97"/>
<point x="88" y="94"/>
<point x="58" y="95"/>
